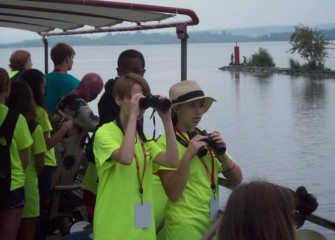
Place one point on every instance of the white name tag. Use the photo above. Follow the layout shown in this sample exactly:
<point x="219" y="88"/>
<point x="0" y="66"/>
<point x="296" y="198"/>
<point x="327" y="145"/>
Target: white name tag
<point x="143" y="215"/>
<point x="214" y="209"/>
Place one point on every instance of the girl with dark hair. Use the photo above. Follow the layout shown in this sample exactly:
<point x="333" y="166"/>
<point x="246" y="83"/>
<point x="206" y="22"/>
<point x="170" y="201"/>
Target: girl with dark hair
<point x="21" y="100"/>
<point x="14" y="159"/>
<point x="35" y="79"/>
<point x="124" y="158"/>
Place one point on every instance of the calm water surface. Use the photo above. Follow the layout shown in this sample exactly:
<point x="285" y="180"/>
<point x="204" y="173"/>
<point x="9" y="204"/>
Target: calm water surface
<point x="277" y="127"/>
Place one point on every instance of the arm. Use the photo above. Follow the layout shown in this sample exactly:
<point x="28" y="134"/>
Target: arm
<point x="24" y="156"/>
<point x="174" y="182"/>
<point x="39" y="162"/>
<point x="125" y="154"/>
<point x="170" y="157"/>
<point x="231" y="170"/>
<point x="51" y="141"/>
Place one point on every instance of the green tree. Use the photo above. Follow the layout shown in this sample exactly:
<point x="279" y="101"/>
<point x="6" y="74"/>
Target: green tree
<point x="261" y="59"/>
<point x="310" y="44"/>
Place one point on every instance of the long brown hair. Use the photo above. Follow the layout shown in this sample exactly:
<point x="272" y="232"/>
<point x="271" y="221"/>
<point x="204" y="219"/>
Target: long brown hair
<point x="4" y="79"/>
<point x="258" y="210"/>
<point x="21" y="100"/>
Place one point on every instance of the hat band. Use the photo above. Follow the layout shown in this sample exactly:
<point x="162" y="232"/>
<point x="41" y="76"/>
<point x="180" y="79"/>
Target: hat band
<point x="188" y="96"/>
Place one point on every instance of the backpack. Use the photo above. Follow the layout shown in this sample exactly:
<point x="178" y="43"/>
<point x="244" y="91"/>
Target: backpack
<point x="6" y="132"/>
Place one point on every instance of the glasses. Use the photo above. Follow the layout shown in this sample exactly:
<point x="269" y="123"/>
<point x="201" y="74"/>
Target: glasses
<point x="137" y="70"/>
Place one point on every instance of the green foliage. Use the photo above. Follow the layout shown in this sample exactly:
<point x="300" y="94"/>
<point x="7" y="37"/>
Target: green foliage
<point x="297" y="66"/>
<point x="261" y="59"/>
<point x="310" y="44"/>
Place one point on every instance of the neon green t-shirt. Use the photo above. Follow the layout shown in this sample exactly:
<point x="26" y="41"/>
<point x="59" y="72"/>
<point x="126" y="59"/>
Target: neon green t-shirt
<point x="21" y="140"/>
<point x="158" y="194"/>
<point x="32" y="205"/>
<point x="118" y="189"/>
<point x="90" y="181"/>
<point x="43" y="119"/>
<point x="188" y="218"/>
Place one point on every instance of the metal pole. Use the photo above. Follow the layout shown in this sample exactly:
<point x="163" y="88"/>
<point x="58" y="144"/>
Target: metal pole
<point x="184" y="59"/>
<point x="46" y="62"/>
<point x="181" y="31"/>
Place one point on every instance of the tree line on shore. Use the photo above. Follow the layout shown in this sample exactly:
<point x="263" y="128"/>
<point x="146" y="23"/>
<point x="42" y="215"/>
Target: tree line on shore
<point x="141" y="37"/>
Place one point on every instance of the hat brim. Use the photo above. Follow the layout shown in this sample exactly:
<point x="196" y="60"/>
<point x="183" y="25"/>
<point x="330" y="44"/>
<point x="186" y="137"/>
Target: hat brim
<point x="208" y="102"/>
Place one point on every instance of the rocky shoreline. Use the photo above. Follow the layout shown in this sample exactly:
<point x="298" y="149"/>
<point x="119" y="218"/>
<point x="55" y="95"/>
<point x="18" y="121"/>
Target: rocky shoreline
<point x="267" y="70"/>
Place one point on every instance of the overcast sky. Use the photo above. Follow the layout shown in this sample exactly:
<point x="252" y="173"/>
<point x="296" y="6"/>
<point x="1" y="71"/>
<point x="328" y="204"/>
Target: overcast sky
<point x="225" y="14"/>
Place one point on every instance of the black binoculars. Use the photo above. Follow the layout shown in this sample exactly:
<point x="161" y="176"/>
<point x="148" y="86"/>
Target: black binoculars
<point x="154" y="101"/>
<point x="219" y="148"/>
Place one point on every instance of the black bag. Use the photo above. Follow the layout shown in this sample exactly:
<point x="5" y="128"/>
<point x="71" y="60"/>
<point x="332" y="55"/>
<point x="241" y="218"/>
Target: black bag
<point x="6" y="134"/>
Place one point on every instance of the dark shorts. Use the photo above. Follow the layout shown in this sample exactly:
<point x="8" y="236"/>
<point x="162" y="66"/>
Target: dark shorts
<point x="16" y="198"/>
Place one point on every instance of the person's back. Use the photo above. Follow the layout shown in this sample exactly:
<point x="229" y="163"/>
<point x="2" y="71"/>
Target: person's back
<point x="74" y="106"/>
<point x="59" y="82"/>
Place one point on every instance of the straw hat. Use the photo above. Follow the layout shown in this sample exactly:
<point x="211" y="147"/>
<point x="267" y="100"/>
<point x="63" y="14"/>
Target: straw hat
<point x="188" y="91"/>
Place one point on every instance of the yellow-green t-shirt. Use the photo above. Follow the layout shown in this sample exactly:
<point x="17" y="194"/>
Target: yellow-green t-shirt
<point x="43" y="119"/>
<point x="90" y="181"/>
<point x="118" y="189"/>
<point x="188" y="218"/>
<point x="20" y="141"/>
<point x="32" y="197"/>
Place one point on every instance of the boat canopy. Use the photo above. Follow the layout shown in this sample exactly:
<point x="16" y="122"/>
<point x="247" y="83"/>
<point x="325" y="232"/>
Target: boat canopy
<point x="69" y="17"/>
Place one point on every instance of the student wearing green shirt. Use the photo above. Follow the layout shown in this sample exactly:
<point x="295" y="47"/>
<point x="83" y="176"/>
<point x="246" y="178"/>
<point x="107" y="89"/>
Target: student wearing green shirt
<point x="11" y="211"/>
<point x="21" y="100"/>
<point x="36" y="81"/>
<point x="192" y="188"/>
<point x="124" y="156"/>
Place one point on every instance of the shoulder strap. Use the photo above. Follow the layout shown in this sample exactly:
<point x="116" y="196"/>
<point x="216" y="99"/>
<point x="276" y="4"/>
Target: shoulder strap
<point x="8" y="126"/>
<point x="6" y="131"/>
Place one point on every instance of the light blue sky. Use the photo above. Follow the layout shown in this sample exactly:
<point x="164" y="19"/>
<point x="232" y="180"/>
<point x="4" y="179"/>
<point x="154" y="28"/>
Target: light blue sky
<point x="225" y="14"/>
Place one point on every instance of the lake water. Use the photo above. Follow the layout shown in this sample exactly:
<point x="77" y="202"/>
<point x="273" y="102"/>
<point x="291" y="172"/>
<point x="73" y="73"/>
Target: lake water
<point x="277" y="127"/>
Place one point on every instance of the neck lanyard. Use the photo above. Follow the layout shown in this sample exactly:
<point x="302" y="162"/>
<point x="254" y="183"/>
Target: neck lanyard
<point x="184" y="141"/>
<point x="139" y="177"/>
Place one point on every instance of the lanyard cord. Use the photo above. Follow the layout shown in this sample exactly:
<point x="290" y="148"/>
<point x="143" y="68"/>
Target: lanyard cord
<point x="184" y="141"/>
<point x="139" y="177"/>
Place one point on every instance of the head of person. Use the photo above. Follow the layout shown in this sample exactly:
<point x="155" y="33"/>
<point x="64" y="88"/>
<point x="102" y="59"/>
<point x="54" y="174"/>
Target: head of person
<point x="21" y="99"/>
<point x="89" y="87"/>
<point x="20" y="60"/>
<point x="126" y="86"/>
<point x="36" y="81"/>
<point x="4" y="83"/>
<point x="62" y="54"/>
<point x="189" y="103"/>
<point x="259" y="210"/>
<point x="131" y="61"/>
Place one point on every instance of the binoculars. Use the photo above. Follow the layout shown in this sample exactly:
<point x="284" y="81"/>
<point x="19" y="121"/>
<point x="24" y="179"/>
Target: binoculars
<point x="154" y="101"/>
<point x="219" y="148"/>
